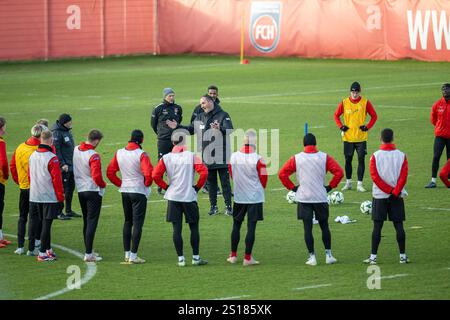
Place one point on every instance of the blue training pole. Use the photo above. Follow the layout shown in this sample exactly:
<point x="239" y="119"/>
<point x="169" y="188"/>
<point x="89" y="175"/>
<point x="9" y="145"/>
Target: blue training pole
<point x="306" y="128"/>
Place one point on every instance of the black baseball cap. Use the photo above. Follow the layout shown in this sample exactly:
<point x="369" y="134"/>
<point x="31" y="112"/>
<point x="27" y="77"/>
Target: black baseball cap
<point x="355" y="86"/>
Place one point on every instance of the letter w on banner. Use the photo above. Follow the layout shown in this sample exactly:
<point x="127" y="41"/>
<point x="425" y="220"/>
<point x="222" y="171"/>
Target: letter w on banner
<point x="265" y="25"/>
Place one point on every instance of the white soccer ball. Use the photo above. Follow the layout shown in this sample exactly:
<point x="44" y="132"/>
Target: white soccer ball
<point x="336" y="197"/>
<point x="290" y="197"/>
<point x="328" y="199"/>
<point x="366" y="207"/>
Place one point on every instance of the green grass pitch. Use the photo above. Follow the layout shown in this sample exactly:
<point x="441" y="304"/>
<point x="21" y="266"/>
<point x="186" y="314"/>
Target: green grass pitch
<point x="117" y="96"/>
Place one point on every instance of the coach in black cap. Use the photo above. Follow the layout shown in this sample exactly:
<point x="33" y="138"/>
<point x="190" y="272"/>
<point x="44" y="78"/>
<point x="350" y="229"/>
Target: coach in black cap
<point x="64" y="145"/>
<point x="167" y="110"/>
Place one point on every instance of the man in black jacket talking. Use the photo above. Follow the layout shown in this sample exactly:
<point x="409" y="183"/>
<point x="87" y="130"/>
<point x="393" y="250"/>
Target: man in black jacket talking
<point x="64" y="145"/>
<point x="167" y="110"/>
<point x="214" y="126"/>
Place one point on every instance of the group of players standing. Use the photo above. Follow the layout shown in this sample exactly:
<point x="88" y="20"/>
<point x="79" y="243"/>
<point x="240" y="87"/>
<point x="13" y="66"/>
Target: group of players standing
<point x="37" y="170"/>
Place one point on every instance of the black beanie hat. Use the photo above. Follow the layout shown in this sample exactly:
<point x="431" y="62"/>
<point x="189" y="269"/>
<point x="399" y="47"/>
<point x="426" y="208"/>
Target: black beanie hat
<point x="64" y="118"/>
<point x="137" y="136"/>
<point x="355" y="86"/>
<point x="309" y="140"/>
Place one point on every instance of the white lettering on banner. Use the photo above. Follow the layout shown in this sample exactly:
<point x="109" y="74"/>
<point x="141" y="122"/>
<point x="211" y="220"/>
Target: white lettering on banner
<point x="265" y="32"/>
<point x="443" y="28"/>
<point x="374" y="20"/>
<point x="417" y="27"/>
<point x="74" y="20"/>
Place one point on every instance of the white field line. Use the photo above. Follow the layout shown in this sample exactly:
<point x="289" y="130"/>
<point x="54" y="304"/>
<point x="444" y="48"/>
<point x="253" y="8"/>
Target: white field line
<point x="399" y="120"/>
<point x="163" y="200"/>
<point x="107" y="206"/>
<point x="85" y="109"/>
<point x="319" y="104"/>
<point x="394" y="276"/>
<point x="278" y="189"/>
<point x="435" y="209"/>
<point x="313" y="287"/>
<point x="303" y="93"/>
<point x="114" y="143"/>
<point x="90" y="272"/>
<point x="232" y="298"/>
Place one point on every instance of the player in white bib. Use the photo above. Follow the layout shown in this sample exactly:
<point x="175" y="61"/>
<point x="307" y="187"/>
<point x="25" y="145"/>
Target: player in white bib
<point x="136" y="171"/>
<point x="46" y="193"/>
<point x="87" y="170"/>
<point x="180" y="166"/>
<point x="248" y="171"/>
<point x="389" y="172"/>
<point x="311" y="167"/>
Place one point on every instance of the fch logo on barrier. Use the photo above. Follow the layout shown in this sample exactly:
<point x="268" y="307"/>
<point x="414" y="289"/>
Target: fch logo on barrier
<point x="265" y="25"/>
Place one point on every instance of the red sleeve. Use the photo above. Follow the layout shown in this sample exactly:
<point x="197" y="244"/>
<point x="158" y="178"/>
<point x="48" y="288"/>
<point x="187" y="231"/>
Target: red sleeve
<point x="230" y="170"/>
<point x="111" y="172"/>
<point x="445" y="172"/>
<point x="288" y="168"/>
<point x="336" y="170"/>
<point x="433" y="114"/>
<point x="146" y="169"/>
<point x="377" y="179"/>
<point x="202" y="170"/>
<point x="262" y="172"/>
<point x="373" y="115"/>
<point x="13" y="168"/>
<point x="55" y="173"/>
<point x="4" y="161"/>
<point x="337" y="114"/>
<point x="158" y="174"/>
<point x="96" y="170"/>
<point x="401" y="182"/>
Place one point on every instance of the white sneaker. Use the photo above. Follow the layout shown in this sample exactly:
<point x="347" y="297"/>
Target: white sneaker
<point x="311" y="260"/>
<point x="404" y="260"/>
<point x="182" y="263"/>
<point x="90" y="258"/>
<point x="360" y="188"/>
<point x="370" y="261"/>
<point x="136" y="261"/>
<point x="330" y="259"/>
<point x="250" y="262"/>
<point x="33" y="253"/>
<point x="347" y="186"/>
<point x="232" y="260"/>
<point x="20" y="251"/>
<point x="97" y="256"/>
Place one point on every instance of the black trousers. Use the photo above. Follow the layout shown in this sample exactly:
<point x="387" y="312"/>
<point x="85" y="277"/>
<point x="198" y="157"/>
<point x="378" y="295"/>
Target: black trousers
<point x="164" y="147"/>
<point x="2" y="203"/>
<point x="134" y="207"/>
<point x="349" y="150"/>
<point x="249" y="238"/>
<point x="69" y="187"/>
<point x="24" y="211"/>
<point x="309" y="239"/>
<point x="91" y="204"/>
<point x="44" y="212"/>
<point x="376" y="235"/>
<point x="439" y="145"/>
<point x="224" y="181"/>
<point x="178" y="239"/>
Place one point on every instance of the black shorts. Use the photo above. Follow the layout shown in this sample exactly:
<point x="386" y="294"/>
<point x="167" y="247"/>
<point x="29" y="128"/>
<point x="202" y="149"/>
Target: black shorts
<point x="385" y="208"/>
<point x="305" y="211"/>
<point x="45" y="210"/>
<point x="350" y="147"/>
<point x="254" y="210"/>
<point x="176" y="209"/>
